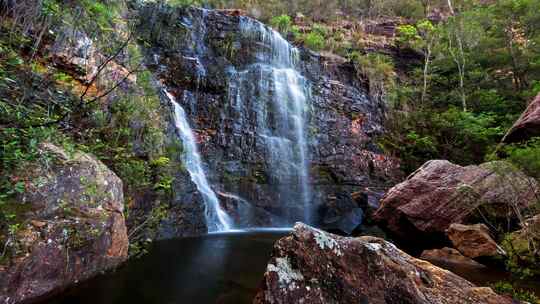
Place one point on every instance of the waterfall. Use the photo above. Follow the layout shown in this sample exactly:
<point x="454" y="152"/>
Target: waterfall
<point x="268" y="102"/>
<point x="216" y="218"/>
<point x="278" y="94"/>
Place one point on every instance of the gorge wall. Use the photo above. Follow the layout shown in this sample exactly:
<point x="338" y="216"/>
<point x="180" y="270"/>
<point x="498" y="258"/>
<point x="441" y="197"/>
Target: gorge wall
<point x="284" y="134"/>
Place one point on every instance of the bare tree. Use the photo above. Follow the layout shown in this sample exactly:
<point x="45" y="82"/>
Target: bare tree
<point x="28" y="18"/>
<point x="458" y="55"/>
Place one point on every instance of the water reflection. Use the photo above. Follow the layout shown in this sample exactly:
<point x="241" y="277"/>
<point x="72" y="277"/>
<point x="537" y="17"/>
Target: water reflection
<point x="219" y="268"/>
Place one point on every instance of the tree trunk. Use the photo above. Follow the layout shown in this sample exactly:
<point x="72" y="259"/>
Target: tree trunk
<point x="426" y="72"/>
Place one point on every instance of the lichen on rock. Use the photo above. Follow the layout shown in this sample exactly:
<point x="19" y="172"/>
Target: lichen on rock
<point x="286" y="274"/>
<point x="73" y="228"/>
<point x="324" y="241"/>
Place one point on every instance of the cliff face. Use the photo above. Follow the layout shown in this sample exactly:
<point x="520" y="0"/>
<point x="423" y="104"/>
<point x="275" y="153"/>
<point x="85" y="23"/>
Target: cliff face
<point x="281" y="134"/>
<point x="225" y="71"/>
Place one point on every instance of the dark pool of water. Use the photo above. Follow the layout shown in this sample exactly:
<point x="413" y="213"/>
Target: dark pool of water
<point x="223" y="268"/>
<point x="214" y="269"/>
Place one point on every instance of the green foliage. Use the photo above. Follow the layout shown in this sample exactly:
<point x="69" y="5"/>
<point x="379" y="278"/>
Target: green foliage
<point x="50" y="8"/>
<point x="461" y="137"/>
<point x="519" y="263"/>
<point x="379" y="70"/>
<point x="314" y="41"/>
<point x="535" y="90"/>
<point x="138" y="245"/>
<point x="506" y="288"/>
<point x="407" y="33"/>
<point x="33" y="95"/>
<point x="526" y="156"/>
<point x="103" y="14"/>
<point x="418" y="37"/>
<point x="282" y="23"/>
<point x="17" y="148"/>
<point x="163" y="168"/>
<point x="482" y="70"/>
<point x="319" y="29"/>
<point x="134" y="173"/>
<point x="183" y="3"/>
<point x="320" y="11"/>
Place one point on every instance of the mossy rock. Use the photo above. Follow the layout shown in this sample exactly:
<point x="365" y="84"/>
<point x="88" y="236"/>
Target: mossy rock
<point x="70" y="225"/>
<point x="523" y="249"/>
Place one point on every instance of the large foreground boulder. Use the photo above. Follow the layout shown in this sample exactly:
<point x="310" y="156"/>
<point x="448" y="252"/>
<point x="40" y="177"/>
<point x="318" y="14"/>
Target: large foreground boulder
<point x="69" y="226"/>
<point x="311" y="266"/>
<point x="527" y="126"/>
<point x="441" y="193"/>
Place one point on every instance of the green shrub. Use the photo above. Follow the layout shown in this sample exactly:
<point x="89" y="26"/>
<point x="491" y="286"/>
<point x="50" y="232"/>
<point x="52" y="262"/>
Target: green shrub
<point x="314" y="41"/>
<point x="135" y="173"/>
<point x="183" y="3"/>
<point x="281" y="23"/>
<point x="407" y="34"/>
<point x="526" y="156"/>
<point x="506" y="288"/>
<point x="461" y="137"/>
<point x="521" y="261"/>
<point x="319" y="29"/>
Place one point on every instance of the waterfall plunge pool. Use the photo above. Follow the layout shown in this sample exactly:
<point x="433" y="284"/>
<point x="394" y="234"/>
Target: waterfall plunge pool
<point x="224" y="268"/>
<point x="219" y="268"/>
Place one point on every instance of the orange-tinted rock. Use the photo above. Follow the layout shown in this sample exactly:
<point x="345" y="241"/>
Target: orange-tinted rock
<point x="449" y="256"/>
<point x="473" y="241"/>
<point x="312" y="266"/>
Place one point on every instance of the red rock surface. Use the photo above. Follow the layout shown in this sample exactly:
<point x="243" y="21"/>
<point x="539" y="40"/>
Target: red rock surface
<point x="311" y="266"/>
<point x="527" y="126"/>
<point x="441" y="193"/>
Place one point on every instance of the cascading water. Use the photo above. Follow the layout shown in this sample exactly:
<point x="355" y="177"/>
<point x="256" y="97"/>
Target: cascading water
<point x="278" y="94"/>
<point x="217" y="219"/>
<point x="268" y="104"/>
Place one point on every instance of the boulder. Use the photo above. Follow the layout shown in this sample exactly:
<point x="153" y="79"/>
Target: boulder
<point x="312" y="266"/>
<point x="70" y="226"/>
<point x="441" y="193"/>
<point x="449" y="256"/>
<point x="527" y="126"/>
<point x="473" y="241"/>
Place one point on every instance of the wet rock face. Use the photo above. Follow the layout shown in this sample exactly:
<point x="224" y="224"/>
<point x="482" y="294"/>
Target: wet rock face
<point x="73" y="227"/>
<point x="203" y="57"/>
<point x="527" y="126"/>
<point x="185" y="216"/>
<point x="441" y="193"/>
<point x="311" y="266"/>
<point x="473" y="241"/>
